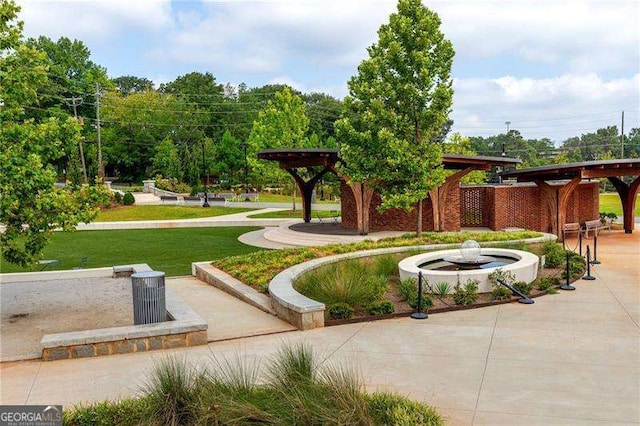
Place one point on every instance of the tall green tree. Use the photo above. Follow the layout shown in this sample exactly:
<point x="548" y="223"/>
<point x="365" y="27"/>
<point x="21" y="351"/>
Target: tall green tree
<point x="31" y="206"/>
<point x="458" y="144"/>
<point x="281" y="124"/>
<point x="397" y="106"/>
<point x="127" y="84"/>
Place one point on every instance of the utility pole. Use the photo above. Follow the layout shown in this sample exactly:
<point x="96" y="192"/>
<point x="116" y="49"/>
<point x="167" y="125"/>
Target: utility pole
<point x="622" y="138"/>
<point x="100" y="166"/>
<point x="504" y="141"/>
<point x="75" y="103"/>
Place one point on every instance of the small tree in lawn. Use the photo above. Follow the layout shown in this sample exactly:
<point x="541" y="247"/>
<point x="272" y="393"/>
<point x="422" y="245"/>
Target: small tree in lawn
<point x="31" y="206"/>
<point x="397" y="107"/>
<point x="283" y="123"/>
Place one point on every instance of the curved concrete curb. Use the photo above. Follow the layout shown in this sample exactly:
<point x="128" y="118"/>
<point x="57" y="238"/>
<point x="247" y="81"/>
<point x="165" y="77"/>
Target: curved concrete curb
<point x="306" y="313"/>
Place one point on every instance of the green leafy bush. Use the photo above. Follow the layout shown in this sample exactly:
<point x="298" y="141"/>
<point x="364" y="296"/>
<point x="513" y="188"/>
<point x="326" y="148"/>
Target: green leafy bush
<point x="117" y="197"/>
<point x="554" y="254"/>
<point x="523" y="287"/>
<point x="172" y="185"/>
<point x="340" y="311"/>
<point x="500" y="293"/>
<point x="467" y="294"/>
<point x="607" y="216"/>
<point x="500" y="274"/>
<point x="389" y="409"/>
<point x="408" y="292"/>
<point x="442" y="289"/>
<point x="128" y="199"/>
<point x="381" y="307"/>
<point x="548" y="284"/>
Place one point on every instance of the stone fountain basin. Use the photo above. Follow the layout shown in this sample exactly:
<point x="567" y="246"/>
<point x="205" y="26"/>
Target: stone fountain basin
<point x="525" y="268"/>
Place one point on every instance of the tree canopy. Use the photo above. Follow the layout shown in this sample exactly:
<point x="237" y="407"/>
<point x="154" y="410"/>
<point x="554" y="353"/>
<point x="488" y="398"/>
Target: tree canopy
<point x="31" y="206"/>
<point x="397" y="106"/>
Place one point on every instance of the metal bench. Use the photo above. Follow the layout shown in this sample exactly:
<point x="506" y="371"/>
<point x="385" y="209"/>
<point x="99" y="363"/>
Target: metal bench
<point x="228" y="196"/>
<point x="248" y="196"/>
<point x="594" y="226"/>
<point x="191" y="199"/>
<point x="164" y="198"/>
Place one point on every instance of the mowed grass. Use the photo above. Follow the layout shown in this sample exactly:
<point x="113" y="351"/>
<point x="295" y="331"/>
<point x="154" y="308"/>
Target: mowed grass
<point x="610" y="203"/>
<point x="159" y="212"/>
<point x="277" y="198"/>
<point x="290" y="214"/>
<point x="168" y="250"/>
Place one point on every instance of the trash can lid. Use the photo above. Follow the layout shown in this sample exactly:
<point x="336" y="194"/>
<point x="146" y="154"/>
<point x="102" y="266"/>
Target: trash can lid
<point x="148" y="274"/>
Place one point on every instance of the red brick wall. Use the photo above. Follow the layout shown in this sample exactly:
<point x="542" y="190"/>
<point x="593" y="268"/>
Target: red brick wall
<point x="503" y="206"/>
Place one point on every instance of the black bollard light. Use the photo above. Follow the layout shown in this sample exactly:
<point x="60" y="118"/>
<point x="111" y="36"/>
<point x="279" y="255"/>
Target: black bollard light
<point x="566" y="285"/>
<point x="419" y="314"/>
<point x="595" y="260"/>
<point x="588" y="277"/>
<point x="580" y="240"/>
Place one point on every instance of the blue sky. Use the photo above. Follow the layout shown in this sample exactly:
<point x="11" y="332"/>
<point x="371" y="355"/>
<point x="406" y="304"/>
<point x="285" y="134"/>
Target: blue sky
<point x="552" y="68"/>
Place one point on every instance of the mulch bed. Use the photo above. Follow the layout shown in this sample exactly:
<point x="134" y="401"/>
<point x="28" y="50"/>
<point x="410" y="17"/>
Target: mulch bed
<point x="403" y="309"/>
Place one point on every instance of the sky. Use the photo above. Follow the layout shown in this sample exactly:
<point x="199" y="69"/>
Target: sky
<point x="553" y="69"/>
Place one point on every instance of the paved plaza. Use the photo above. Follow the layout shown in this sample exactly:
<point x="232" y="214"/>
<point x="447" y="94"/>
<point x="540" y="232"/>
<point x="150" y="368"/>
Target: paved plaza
<point x="569" y="359"/>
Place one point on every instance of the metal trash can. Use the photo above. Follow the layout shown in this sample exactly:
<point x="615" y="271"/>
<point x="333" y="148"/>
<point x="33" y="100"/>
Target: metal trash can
<point x="149" y="304"/>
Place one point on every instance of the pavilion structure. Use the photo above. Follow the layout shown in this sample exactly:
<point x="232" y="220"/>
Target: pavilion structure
<point x="292" y="160"/>
<point x="570" y="175"/>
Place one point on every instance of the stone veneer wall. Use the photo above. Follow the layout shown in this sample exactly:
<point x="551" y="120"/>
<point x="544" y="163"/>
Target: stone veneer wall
<point x="503" y="206"/>
<point x="142" y="344"/>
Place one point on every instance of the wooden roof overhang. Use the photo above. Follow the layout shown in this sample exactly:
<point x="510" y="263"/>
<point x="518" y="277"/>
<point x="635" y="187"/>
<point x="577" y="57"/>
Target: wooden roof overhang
<point x="557" y="197"/>
<point x="584" y="170"/>
<point x="310" y="157"/>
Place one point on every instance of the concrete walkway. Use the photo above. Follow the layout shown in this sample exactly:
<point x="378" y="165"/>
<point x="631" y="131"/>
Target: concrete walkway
<point x="569" y="359"/>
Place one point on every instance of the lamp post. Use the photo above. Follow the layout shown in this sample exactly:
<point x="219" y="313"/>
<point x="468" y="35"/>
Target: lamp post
<point x="243" y="145"/>
<point x="205" y="178"/>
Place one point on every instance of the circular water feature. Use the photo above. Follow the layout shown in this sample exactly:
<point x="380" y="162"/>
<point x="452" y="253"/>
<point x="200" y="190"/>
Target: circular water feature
<point x="437" y="266"/>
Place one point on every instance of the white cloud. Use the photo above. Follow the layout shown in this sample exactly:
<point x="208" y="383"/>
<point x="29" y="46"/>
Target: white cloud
<point x="557" y="108"/>
<point x="582" y="36"/>
<point x="93" y="20"/>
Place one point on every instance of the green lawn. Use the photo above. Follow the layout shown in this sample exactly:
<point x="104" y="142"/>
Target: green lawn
<point x="158" y="212"/>
<point x="168" y="250"/>
<point x="276" y="198"/>
<point x="290" y="214"/>
<point x="610" y="203"/>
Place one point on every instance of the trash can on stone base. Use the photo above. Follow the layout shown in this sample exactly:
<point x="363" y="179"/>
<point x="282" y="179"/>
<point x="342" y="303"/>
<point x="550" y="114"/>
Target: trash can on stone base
<point x="149" y="304"/>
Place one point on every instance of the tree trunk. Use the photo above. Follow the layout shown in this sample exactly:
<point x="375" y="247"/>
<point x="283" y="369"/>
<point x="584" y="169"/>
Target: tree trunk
<point x="419" y="225"/>
<point x="293" y="208"/>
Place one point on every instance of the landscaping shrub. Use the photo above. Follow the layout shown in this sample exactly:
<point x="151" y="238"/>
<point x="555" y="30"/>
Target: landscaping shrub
<point x="467" y="294"/>
<point x="258" y="269"/>
<point x="172" y="391"/>
<point x="548" y="284"/>
<point x="442" y="289"/>
<point x="390" y="409"/>
<point x="500" y="293"/>
<point x="604" y="216"/>
<point x="381" y="307"/>
<point x="386" y="265"/>
<point x="128" y="199"/>
<point x="117" y="197"/>
<point x="297" y="390"/>
<point x="554" y="254"/>
<point x="340" y="311"/>
<point x="172" y="185"/>
<point x="506" y="276"/>
<point x="351" y="282"/>
<point x="523" y="287"/>
<point x="408" y="292"/>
